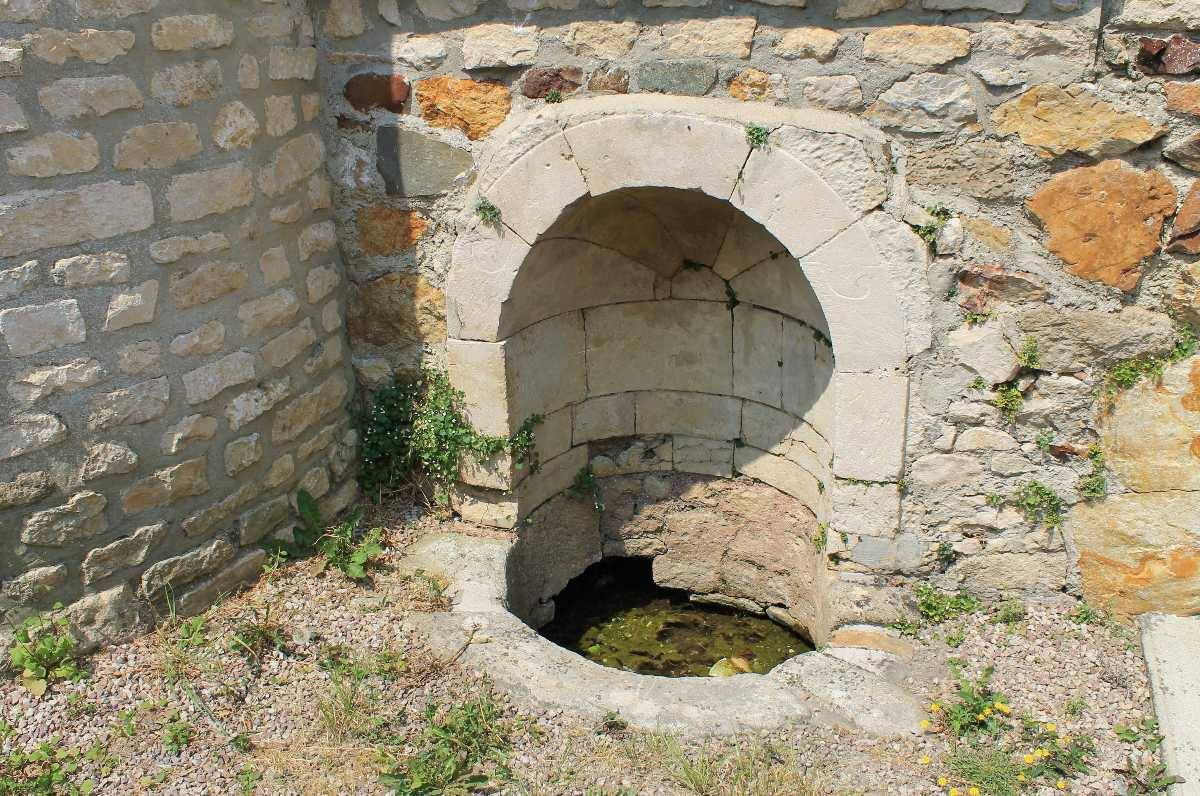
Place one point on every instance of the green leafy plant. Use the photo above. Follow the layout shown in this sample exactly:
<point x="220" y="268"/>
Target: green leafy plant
<point x="994" y="500"/>
<point x="1029" y="357"/>
<point x="255" y="634"/>
<point x="1056" y="758"/>
<point x="937" y="606"/>
<point x="1094" y="485"/>
<point x="418" y="429"/>
<point x="342" y="546"/>
<point x="1040" y="504"/>
<point x="487" y="212"/>
<point x="756" y="136"/>
<point x="176" y="735"/>
<point x="190" y="634"/>
<point x="1148" y="779"/>
<point x="248" y="779"/>
<point x="976" y="318"/>
<point x="461" y="750"/>
<point x="940" y="215"/>
<point x="1128" y="372"/>
<point x="956" y="637"/>
<point x="977" y="383"/>
<point x="585" y="487"/>
<point x="43" y="652"/>
<point x="1009" y="613"/>
<point x="554" y="96"/>
<point x="946" y="554"/>
<point x="1009" y="400"/>
<point x="1075" y="706"/>
<point x="45" y="770"/>
<point x="1145" y="734"/>
<point x="821" y="537"/>
<point x="1044" y="440"/>
<point x="979" y="709"/>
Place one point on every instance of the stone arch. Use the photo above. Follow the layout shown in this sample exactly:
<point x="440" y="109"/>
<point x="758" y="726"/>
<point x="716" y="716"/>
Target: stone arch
<point x="816" y="188"/>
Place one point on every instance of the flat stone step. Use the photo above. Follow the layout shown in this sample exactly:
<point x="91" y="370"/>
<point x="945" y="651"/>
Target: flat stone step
<point x="1171" y="645"/>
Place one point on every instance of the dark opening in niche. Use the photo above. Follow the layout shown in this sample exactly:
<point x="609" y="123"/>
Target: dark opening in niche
<point x="614" y="614"/>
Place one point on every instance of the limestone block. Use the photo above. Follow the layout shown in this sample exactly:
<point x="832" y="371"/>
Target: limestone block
<point x="54" y="154"/>
<point x="478" y="370"/>
<point x="779" y="283"/>
<point x="544" y="367"/>
<point x="242" y="453"/>
<point x="12" y="116"/>
<point x="920" y="45"/>
<point x="140" y="358"/>
<point x="15" y="281"/>
<point x="73" y="97"/>
<point x="444" y="10"/>
<point x="664" y="345"/>
<point x="88" y="270"/>
<point x="193" y="428"/>
<point x="758" y="354"/>
<point x="659" y="150"/>
<point x="133" y="307"/>
<point x="323" y="439"/>
<point x="274" y="266"/>
<point x="166" y="486"/>
<point x="208" y="381"/>
<point x="41" y="327"/>
<point x="170" y="250"/>
<point x="818" y="43"/>
<point x="113" y="9"/>
<point x="605" y="40"/>
<point x="191" y="32"/>
<point x="908" y="262"/>
<point x="1072" y="340"/>
<point x="206" y="283"/>
<point x="297" y="416"/>
<point x="726" y="37"/>
<point x="26" y="488"/>
<point x="387" y="230"/>
<point x="253" y="404"/>
<point x="258" y="522"/>
<point x="984" y="349"/>
<point x="602" y="417"/>
<point x="946" y="472"/>
<point x="281" y="115"/>
<point x="94" y="46"/>
<point x="834" y="93"/>
<point x="904" y="553"/>
<point x="186" y="84"/>
<point x="205" y="339"/>
<point x="485" y="267"/>
<point x="206" y="521"/>
<point x="24" y="10"/>
<point x="320" y="282"/>
<point x="1006" y="573"/>
<point x="36" y="220"/>
<point x="128" y="551"/>
<point x="244" y="570"/>
<point x="203" y="193"/>
<point x="786" y="476"/>
<point x="418" y="52"/>
<point x="81" y="517"/>
<point x="35" y="584"/>
<point x="283" y="349"/>
<point x="533" y="191"/>
<point x="560" y="275"/>
<point x="866" y="509"/>
<point x="703" y="456"/>
<point x="292" y="63"/>
<point x="693" y="77"/>
<point x="499" y="45"/>
<point x="235" y="127"/>
<point x="34" y="385"/>
<point x="860" y="9"/>
<point x="1055" y="121"/>
<point x="344" y="19"/>
<point x="690" y="413"/>
<point x="315" y="482"/>
<point x="397" y="308"/>
<point x="173" y="572"/>
<point x="927" y="103"/>
<point x="107" y="458"/>
<point x="316" y="238"/>
<point x="414" y="164"/>
<point x="30" y="432"/>
<point x="1168" y="14"/>
<point x="999" y="6"/>
<point x="851" y="280"/>
<point x="872" y="422"/>
<point x="291" y="163"/>
<point x="105" y="618"/>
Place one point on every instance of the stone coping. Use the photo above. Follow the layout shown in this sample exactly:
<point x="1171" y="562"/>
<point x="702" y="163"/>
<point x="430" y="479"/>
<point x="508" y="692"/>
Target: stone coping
<point x="1171" y="645"/>
<point x="813" y="687"/>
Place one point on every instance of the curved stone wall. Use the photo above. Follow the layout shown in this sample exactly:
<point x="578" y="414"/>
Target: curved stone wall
<point x="171" y="310"/>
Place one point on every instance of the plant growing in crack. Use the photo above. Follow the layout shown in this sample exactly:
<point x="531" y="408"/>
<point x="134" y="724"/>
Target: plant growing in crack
<point x="488" y="213"/>
<point x="1094" y="485"/>
<point x="757" y="135"/>
<point x="585" y="487"/>
<point x="554" y="96"/>
<point x="1009" y="400"/>
<point x="1040" y="503"/>
<point x="940" y="215"/>
<point x="1029" y="357"/>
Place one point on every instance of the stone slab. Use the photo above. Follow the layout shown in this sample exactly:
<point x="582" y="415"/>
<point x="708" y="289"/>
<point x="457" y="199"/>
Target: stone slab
<point x="1171" y="645"/>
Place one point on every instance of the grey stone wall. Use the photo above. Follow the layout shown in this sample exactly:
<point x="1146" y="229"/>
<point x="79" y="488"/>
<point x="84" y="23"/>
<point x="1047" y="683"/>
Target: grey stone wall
<point x="172" y="339"/>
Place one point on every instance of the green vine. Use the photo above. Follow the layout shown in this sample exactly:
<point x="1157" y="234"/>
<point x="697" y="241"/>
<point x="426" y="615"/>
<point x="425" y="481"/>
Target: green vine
<point x="418" y="429"/>
<point x="585" y="487"/>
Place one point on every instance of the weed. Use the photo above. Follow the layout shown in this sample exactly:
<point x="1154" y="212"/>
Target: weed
<point x="127" y="724"/>
<point x="755" y="768"/>
<point x="45" y="770"/>
<point x="939" y="606"/>
<point x="1084" y="614"/>
<point x="462" y="750"/>
<point x="554" y="96"/>
<point x="977" y="383"/>
<point x="731" y="299"/>
<point x="248" y="780"/>
<point x="240" y="742"/>
<point x="979" y="709"/>
<point x="418" y="428"/>
<point x="191" y="633"/>
<point x="1009" y="613"/>
<point x="1008" y="399"/>
<point x="929" y="232"/>
<point x="1056" y="758"/>
<point x="821" y="537"/>
<point x="1145" y="734"/>
<point x="994" y="500"/>
<point x="348" y="711"/>
<point x="43" y="652"/>
<point x="585" y="487"/>
<point x="994" y="771"/>
<point x="1029" y="357"/>
<point x="946" y="554"/>
<point x="1147" y="779"/>
<point x="907" y="627"/>
<point x="1094" y="485"/>
<point x="1128" y="372"/>
<point x="976" y="318"/>
<point x="176" y="735"/>
<point x="342" y="546"/>
<point x="1044" y="440"/>
<point x="611" y="723"/>
<point x="256" y="634"/>
<point x="956" y="637"/>
<point x="1040" y="504"/>
<point x="1075" y="706"/>
<point x="487" y="212"/>
<point x="756" y="136"/>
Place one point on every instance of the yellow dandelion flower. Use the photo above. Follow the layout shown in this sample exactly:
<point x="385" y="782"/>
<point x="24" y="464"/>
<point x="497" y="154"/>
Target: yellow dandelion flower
<point x="1062" y="741"/>
<point x="1051" y="727"/>
<point x="981" y="717"/>
<point x="1061" y="784"/>
<point x="1021" y="777"/>
<point x="1066" y="739"/>
<point x="942" y="782"/>
<point x="1003" y="708"/>
<point x="926" y="760"/>
<point x="924" y="724"/>
<point x="972" y="791"/>
<point x="987" y="711"/>
<point x="1042" y="752"/>
<point x="1029" y="759"/>
<point x="935" y="707"/>
<point x="954" y="792"/>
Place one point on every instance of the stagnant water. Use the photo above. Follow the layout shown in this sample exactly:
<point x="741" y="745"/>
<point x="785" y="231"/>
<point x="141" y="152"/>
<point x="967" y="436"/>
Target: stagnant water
<point x="615" y="615"/>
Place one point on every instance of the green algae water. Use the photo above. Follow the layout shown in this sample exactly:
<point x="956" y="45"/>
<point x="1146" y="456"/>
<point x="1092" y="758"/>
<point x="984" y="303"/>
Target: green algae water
<point x="615" y="615"/>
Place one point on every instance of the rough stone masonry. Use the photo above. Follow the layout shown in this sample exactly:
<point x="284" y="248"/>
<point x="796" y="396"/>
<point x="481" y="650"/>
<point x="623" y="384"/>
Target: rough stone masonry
<point x="220" y="220"/>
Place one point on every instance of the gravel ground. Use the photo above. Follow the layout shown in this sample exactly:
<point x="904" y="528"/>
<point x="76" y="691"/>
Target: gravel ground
<point x="292" y="721"/>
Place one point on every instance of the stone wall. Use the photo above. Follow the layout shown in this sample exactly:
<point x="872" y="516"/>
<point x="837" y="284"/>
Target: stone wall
<point x="1064" y="147"/>
<point x="171" y="302"/>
